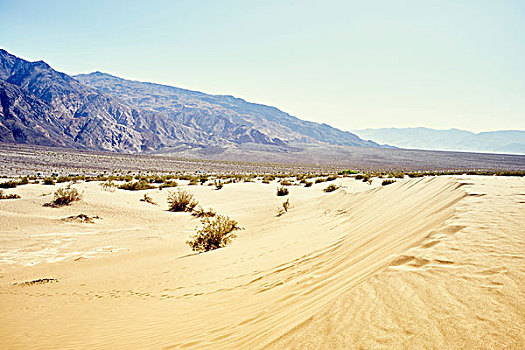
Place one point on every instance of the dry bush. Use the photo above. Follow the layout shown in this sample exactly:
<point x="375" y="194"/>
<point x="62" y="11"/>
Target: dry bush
<point x="136" y="186"/>
<point x="217" y="232"/>
<point x="9" y="184"/>
<point x="181" y="200"/>
<point x="65" y="196"/>
<point x="331" y="188"/>
<point x="200" y="212"/>
<point x="282" y="191"/>
<point x="169" y="183"/>
<point x="49" y="181"/>
<point x="387" y="182"/>
<point x="147" y="199"/>
<point x="218" y="184"/>
<point x="8" y="196"/>
<point x="284" y="207"/>
<point x="308" y="183"/>
<point x="108" y="185"/>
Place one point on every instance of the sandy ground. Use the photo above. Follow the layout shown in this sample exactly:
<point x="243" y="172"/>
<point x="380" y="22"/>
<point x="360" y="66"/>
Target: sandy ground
<point x="423" y="263"/>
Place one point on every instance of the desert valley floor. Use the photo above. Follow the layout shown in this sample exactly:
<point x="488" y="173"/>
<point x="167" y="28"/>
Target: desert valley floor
<point x="424" y="263"/>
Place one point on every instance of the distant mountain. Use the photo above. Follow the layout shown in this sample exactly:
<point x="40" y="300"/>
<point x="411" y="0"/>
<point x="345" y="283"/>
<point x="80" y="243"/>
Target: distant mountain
<point x="97" y="111"/>
<point x="504" y="141"/>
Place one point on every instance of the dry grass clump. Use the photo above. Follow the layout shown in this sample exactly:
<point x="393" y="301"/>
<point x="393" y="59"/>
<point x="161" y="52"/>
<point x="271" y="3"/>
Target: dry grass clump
<point x="217" y="232"/>
<point x="387" y="182"/>
<point x="181" y="200"/>
<point x="136" y="186"/>
<point x="331" y="188"/>
<point x="200" y="212"/>
<point x="282" y="191"/>
<point x="8" y="196"/>
<point x="308" y="183"/>
<point x="108" y="185"/>
<point x="65" y="196"/>
<point x="284" y="207"/>
<point x="147" y="199"/>
<point x="286" y="183"/>
<point x="82" y="218"/>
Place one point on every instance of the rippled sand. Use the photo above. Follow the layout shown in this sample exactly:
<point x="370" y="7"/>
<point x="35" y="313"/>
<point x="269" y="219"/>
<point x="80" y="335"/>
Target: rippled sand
<point x="423" y="263"/>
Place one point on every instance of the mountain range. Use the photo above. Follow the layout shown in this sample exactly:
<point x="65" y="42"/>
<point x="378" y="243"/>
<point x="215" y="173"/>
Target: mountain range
<point x="98" y="111"/>
<point x="504" y="141"/>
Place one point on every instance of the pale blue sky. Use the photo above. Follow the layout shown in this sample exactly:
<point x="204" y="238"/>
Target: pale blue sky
<point x="350" y="64"/>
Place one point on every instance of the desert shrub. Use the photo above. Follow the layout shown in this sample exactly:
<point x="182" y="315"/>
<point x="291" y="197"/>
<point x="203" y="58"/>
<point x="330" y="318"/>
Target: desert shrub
<point x="284" y="207"/>
<point x="387" y="182"/>
<point x="136" y="186"/>
<point x="265" y="181"/>
<point x="216" y="232"/>
<point x="320" y="180"/>
<point x="9" y="184"/>
<point x="200" y="212"/>
<point x="359" y="177"/>
<point x="23" y="181"/>
<point x="169" y="183"/>
<point x="286" y="183"/>
<point x="181" y="200"/>
<point x="62" y="179"/>
<point x="108" y="185"/>
<point x="218" y="185"/>
<point x="399" y="175"/>
<point x="347" y="172"/>
<point x="65" y="196"/>
<point x="331" y="188"/>
<point x="147" y="199"/>
<point x="308" y="183"/>
<point x="193" y="182"/>
<point x="49" y="181"/>
<point x="331" y="178"/>
<point x="282" y="191"/>
<point x="8" y="196"/>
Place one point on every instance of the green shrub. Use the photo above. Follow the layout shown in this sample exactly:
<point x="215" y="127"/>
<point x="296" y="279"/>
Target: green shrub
<point x="217" y="232"/>
<point x="8" y="196"/>
<point x="136" y="186"/>
<point x="181" y="200"/>
<point x="282" y="191"/>
<point x="65" y="196"/>
<point x="331" y="188"/>
<point x="347" y="172"/>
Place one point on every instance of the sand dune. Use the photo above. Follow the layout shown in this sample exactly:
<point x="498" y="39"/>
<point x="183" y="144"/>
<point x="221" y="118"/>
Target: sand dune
<point x="423" y="263"/>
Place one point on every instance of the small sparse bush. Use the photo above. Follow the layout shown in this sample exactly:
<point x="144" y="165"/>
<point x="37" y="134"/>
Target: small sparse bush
<point x="8" y="196"/>
<point x="200" y="212"/>
<point x="331" y="188"/>
<point x="387" y="182"/>
<point x="136" y="186"/>
<point x="284" y="207"/>
<point x="265" y="181"/>
<point x="181" y="200"/>
<point x="108" y="185"/>
<point x="217" y="232"/>
<point x="286" y="183"/>
<point x="65" y="196"/>
<point x="331" y="178"/>
<point x="282" y="191"/>
<point x="218" y="184"/>
<point x="147" y="199"/>
<point x="308" y="183"/>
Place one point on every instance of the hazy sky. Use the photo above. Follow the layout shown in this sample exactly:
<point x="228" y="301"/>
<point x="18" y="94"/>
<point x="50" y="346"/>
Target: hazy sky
<point x="350" y="64"/>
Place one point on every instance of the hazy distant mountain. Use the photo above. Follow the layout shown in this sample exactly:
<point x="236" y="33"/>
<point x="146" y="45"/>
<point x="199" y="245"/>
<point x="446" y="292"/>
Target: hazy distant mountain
<point x="39" y="105"/>
<point x="504" y="141"/>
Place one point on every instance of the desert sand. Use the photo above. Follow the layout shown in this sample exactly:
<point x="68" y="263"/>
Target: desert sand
<point x="425" y="263"/>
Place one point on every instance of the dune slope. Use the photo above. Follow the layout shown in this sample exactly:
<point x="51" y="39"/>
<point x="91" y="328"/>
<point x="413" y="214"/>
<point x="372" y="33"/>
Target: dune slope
<point x="384" y="267"/>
